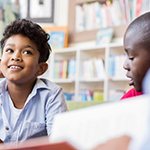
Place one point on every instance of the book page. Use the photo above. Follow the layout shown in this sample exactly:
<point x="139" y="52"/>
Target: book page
<point x="88" y="127"/>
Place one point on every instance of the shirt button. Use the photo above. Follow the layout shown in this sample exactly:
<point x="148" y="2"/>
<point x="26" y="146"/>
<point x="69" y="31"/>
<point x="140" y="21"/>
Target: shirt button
<point x="9" y="136"/>
<point x="6" y="128"/>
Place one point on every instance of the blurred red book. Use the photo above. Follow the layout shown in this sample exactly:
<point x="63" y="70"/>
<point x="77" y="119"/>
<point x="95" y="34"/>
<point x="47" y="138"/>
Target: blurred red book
<point x="41" y="143"/>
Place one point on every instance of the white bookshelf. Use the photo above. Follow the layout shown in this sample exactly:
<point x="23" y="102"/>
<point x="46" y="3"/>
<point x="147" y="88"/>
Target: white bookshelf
<point x="74" y="85"/>
<point x="88" y="50"/>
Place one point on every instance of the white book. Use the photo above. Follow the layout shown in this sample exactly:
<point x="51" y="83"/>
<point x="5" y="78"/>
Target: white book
<point x="115" y="13"/>
<point x="91" y="126"/>
<point x="97" y="18"/>
<point x="99" y="67"/>
<point x="79" y="18"/>
<point x="90" y="16"/>
<point x="104" y="19"/>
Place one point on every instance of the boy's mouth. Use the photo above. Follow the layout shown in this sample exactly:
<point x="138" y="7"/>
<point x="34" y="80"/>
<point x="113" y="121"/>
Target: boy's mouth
<point x="131" y="82"/>
<point x="14" y="67"/>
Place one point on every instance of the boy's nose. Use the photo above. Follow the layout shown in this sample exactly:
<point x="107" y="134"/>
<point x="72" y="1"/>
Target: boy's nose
<point x="126" y="65"/>
<point x="16" y="57"/>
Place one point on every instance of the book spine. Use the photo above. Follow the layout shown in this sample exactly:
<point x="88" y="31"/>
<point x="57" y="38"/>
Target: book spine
<point x="72" y="68"/>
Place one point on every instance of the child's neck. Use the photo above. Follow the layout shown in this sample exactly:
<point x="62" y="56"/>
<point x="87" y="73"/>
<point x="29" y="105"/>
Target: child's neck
<point x="19" y="94"/>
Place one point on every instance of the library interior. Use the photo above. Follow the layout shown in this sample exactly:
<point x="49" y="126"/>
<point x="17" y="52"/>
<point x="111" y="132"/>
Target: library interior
<point x="87" y="59"/>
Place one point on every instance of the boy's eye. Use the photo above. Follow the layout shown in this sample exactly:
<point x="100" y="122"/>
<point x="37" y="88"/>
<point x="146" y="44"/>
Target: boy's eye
<point x="27" y="52"/>
<point x="131" y="58"/>
<point x="9" y="50"/>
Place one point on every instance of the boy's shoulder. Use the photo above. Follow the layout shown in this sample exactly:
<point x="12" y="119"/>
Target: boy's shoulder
<point x="42" y="82"/>
<point x="3" y="85"/>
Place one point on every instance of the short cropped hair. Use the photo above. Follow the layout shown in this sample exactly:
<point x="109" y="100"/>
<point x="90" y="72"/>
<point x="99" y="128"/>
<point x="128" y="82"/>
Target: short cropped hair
<point x="141" y="27"/>
<point x="31" y="30"/>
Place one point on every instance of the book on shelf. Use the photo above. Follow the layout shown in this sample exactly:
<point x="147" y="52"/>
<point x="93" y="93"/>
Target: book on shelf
<point x="58" y="36"/>
<point x="93" y="67"/>
<point x="111" y="69"/>
<point x="87" y="68"/>
<point x="108" y="16"/>
<point x="145" y="6"/>
<point x="95" y="15"/>
<point x="61" y="69"/>
<point x="138" y="7"/>
<point x="69" y="96"/>
<point x="98" y="16"/>
<point x="115" y="14"/>
<point x="116" y="69"/>
<point x="98" y="95"/>
<point x="83" y="96"/>
<point x="57" y="39"/>
<point x="79" y="20"/>
<point x="128" y="5"/>
<point x="64" y="68"/>
<point x="104" y="36"/>
<point x="71" y="68"/>
<point x="91" y="95"/>
<point x="99" y="68"/>
<point x="115" y="95"/>
<point x="56" y="69"/>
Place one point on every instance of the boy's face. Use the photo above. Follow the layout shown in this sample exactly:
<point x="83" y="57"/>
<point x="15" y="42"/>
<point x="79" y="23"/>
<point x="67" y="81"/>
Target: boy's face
<point x="137" y="61"/>
<point x="19" y="62"/>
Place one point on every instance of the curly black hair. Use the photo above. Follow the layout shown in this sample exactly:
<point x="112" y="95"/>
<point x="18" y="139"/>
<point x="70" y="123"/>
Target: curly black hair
<point x="31" y="30"/>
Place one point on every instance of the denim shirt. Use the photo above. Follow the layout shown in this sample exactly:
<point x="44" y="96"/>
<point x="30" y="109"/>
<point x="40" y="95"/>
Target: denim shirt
<point x="36" y="118"/>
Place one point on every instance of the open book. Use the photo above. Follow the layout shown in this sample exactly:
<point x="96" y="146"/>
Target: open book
<point x="86" y="128"/>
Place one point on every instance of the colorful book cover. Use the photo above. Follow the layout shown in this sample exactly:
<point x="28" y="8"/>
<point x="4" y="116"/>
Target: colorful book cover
<point x="65" y="68"/>
<point x="72" y="68"/>
<point x="56" y="69"/>
<point x="104" y="36"/>
<point x="98" y="95"/>
<point x="138" y="7"/>
<point x="57" y="39"/>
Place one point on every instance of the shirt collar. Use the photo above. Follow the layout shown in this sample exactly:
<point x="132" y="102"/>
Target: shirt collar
<point x="40" y="84"/>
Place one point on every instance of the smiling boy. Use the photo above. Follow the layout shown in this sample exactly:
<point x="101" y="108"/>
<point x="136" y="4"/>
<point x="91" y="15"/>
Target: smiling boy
<point x="137" y="47"/>
<point x="28" y="104"/>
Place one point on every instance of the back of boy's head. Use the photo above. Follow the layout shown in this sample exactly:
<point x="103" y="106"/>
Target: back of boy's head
<point x="31" y="30"/>
<point x="140" y="27"/>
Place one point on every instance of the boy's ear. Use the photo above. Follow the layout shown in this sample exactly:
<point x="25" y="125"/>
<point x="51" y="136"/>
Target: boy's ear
<point x="42" y="68"/>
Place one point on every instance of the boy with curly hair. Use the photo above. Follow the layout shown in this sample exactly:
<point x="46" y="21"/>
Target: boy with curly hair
<point x="28" y="104"/>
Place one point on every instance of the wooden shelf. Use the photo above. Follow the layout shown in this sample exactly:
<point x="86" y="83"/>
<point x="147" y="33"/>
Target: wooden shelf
<point x="88" y="1"/>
